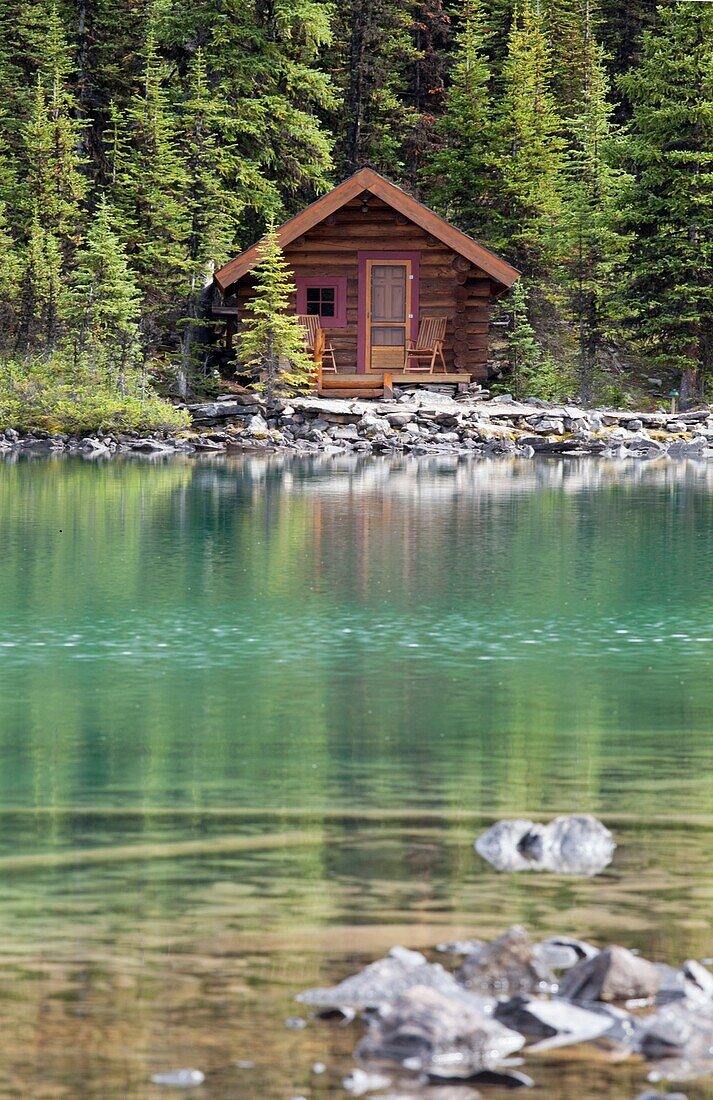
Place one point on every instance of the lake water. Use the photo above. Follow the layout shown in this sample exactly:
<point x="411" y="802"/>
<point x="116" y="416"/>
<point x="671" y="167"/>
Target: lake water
<point x="254" y="711"/>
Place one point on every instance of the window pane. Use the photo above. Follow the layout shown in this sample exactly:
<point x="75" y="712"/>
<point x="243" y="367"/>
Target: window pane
<point x="327" y="293"/>
<point x="327" y="309"/>
<point x="313" y="293"/>
<point x="313" y="308"/>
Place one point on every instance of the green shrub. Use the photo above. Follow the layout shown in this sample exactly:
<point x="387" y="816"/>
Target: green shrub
<point x="58" y="395"/>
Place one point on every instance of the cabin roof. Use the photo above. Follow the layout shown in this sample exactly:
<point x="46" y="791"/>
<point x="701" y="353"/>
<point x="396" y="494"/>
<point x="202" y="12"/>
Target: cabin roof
<point x="366" y="179"/>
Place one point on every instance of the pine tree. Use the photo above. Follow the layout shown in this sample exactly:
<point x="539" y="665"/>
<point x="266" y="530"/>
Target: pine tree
<point x="530" y="148"/>
<point x="54" y="186"/>
<point x="426" y="84"/>
<point x="622" y="30"/>
<point x="669" y="206"/>
<point x="595" y="247"/>
<point x="272" y="341"/>
<point x="105" y="303"/>
<point x="524" y="352"/>
<point x="375" y="50"/>
<point x="265" y="63"/>
<point x="460" y="175"/>
<point x="214" y="209"/>
<point x="148" y="189"/>
<point x="109" y="41"/>
<point x="42" y="292"/>
<point x="10" y="273"/>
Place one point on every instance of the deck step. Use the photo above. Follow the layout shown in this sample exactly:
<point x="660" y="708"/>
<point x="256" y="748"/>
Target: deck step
<point x="351" y="391"/>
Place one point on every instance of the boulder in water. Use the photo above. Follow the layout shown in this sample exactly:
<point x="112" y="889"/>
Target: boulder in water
<point x="558" y="1021"/>
<point x="385" y="980"/>
<point x="505" y="966"/>
<point x="428" y="1029"/>
<point x="612" y="975"/>
<point x="574" y="844"/>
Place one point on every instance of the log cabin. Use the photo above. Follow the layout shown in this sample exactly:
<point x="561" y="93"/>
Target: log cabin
<point x="374" y="266"/>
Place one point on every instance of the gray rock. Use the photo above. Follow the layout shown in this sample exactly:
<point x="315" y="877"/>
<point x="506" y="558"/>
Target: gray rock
<point x="612" y="975"/>
<point x="500" y="845"/>
<point x="698" y="981"/>
<point x="432" y="1029"/>
<point x="693" y="449"/>
<point x="179" y="1078"/>
<point x="553" y="1019"/>
<point x="563" y="952"/>
<point x="359" y="1082"/>
<point x="148" y="446"/>
<point x="257" y="427"/>
<point x="649" y="1095"/>
<point x="575" y="844"/>
<point x="505" y="966"/>
<point x="549" y="426"/>
<point x="383" y="981"/>
<point x="495" y="448"/>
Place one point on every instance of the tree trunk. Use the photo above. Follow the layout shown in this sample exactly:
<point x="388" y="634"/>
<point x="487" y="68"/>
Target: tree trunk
<point x="691" y="389"/>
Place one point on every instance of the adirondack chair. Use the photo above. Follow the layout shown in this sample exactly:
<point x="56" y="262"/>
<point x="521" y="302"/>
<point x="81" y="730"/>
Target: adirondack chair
<point x="428" y="345"/>
<point x="312" y="330"/>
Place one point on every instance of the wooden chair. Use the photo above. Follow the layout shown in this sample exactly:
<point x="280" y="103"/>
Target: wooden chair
<point x="312" y="330"/>
<point x="428" y="345"/>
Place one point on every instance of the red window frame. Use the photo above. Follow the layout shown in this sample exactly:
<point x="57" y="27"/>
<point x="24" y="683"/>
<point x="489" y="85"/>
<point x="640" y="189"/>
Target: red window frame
<point x="336" y="283"/>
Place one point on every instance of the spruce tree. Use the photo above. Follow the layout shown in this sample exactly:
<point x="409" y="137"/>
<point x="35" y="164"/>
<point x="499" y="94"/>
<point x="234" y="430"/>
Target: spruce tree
<point x="54" y="185"/>
<point x="460" y="174"/>
<point x="596" y="249"/>
<point x="374" y="51"/>
<point x="530" y="148"/>
<point x="265" y="63"/>
<point x="105" y="303"/>
<point x="669" y="206"/>
<point x="41" y="307"/>
<point x="214" y="210"/>
<point x="10" y="276"/>
<point x="272" y="340"/>
<point x="148" y="190"/>
<point x="426" y="84"/>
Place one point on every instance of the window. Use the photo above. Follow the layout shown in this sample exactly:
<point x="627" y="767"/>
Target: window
<point x="320" y="300"/>
<point x="324" y="298"/>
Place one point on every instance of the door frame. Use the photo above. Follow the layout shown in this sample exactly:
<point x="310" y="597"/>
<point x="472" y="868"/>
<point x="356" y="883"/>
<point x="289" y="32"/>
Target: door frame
<point x="414" y="258"/>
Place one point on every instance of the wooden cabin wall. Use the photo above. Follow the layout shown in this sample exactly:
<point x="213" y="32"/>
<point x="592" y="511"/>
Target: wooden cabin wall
<point x="448" y="284"/>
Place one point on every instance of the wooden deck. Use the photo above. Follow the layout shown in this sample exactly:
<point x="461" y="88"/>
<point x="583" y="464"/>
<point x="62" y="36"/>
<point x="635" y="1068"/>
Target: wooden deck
<point x="381" y="384"/>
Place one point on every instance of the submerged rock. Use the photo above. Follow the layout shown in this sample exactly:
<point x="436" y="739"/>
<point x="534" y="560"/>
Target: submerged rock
<point x="612" y="975"/>
<point x="428" y="1029"/>
<point x="179" y="1078"/>
<point x="508" y="1078"/>
<point x="413" y="1091"/>
<point x="385" y="980"/>
<point x="507" y="965"/>
<point x="661" y="1096"/>
<point x="574" y="844"/>
<point x="359" y="1082"/>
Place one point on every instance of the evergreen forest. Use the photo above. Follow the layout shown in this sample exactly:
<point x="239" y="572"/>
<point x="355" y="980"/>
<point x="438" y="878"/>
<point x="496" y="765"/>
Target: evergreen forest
<point x="144" y="142"/>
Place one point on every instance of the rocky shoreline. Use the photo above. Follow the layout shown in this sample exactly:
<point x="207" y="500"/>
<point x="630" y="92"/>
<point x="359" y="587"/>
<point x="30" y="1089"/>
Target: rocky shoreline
<point x="424" y="422"/>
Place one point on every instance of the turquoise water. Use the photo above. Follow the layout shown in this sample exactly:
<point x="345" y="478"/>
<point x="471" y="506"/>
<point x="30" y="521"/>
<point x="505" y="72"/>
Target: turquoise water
<point x="253" y="712"/>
